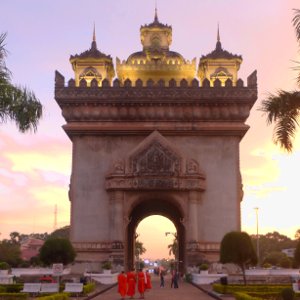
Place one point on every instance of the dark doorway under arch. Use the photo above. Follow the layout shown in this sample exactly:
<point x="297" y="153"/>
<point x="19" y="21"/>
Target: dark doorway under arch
<point x="150" y="207"/>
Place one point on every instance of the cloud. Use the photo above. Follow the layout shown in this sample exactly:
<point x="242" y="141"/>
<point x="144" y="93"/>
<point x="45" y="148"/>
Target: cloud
<point x="34" y="178"/>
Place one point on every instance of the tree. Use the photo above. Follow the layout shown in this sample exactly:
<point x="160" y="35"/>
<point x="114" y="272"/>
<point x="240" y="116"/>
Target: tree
<point x="139" y="248"/>
<point x="274" y="258"/>
<point x="16" y="103"/>
<point x="297" y="254"/>
<point x="57" y="250"/>
<point x="297" y="234"/>
<point x="272" y="241"/>
<point x="63" y="232"/>
<point x="283" y="108"/>
<point x="10" y="253"/>
<point x="173" y="248"/>
<point x="237" y="248"/>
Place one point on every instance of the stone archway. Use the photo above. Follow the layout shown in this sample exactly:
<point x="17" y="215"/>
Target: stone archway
<point x="156" y="206"/>
<point x="154" y="178"/>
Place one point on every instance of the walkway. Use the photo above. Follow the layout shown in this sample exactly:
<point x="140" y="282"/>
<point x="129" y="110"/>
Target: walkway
<point x="185" y="292"/>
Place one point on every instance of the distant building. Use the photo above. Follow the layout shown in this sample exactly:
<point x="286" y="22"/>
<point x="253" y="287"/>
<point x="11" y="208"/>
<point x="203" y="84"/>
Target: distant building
<point x="30" y="248"/>
<point x="289" y="252"/>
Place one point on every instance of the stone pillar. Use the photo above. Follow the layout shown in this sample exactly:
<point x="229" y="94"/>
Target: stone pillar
<point x="116" y="216"/>
<point x="193" y="216"/>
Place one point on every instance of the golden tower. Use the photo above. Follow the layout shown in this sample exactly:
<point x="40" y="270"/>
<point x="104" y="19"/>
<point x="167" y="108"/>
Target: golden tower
<point x="92" y="64"/>
<point x="219" y="64"/>
<point x="156" y="61"/>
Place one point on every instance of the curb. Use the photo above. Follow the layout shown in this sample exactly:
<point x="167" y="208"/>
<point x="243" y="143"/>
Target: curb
<point x="211" y="294"/>
<point x="100" y="292"/>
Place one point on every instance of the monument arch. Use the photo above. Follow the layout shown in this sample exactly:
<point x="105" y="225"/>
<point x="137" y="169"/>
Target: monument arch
<point x="156" y="205"/>
<point x="161" y="138"/>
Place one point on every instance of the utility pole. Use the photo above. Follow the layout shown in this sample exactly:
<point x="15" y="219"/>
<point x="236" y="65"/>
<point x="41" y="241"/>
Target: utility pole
<point x="257" y="235"/>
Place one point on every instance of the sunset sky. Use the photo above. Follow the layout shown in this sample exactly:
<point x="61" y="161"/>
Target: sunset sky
<point x="35" y="168"/>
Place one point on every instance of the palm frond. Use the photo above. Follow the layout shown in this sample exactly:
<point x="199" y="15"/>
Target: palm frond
<point x="283" y="110"/>
<point x="19" y="105"/>
<point x="296" y="23"/>
<point x="285" y="129"/>
<point x="4" y="72"/>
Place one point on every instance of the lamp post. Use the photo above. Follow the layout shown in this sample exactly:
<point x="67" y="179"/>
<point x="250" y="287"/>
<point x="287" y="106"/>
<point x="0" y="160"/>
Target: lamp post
<point x="257" y="236"/>
<point x="177" y="247"/>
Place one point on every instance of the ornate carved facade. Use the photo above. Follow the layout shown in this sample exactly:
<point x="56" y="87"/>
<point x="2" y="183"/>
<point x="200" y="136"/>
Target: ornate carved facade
<point x="163" y="144"/>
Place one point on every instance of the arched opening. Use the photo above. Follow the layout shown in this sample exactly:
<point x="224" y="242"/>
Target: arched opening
<point x="156" y="233"/>
<point x="152" y="207"/>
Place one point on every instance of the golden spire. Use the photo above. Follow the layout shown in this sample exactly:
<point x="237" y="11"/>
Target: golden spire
<point x="155" y="16"/>
<point x="94" y="44"/>
<point x="218" y="45"/>
<point x="94" y="34"/>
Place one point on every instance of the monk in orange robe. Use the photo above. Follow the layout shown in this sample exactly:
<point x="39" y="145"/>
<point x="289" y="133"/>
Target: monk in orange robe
<point x="131" y="280"/>
<point x="141" y="283"/>
<point x="148" y="281"/>
<point x="122" y="284"/>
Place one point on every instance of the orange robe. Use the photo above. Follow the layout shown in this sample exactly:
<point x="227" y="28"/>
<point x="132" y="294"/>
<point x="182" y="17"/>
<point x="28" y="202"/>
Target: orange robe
<point x="131" y="284"/>
<point x="141" y="282"/>
<point x="122" y="284"/>
<point x="148" y="282"/>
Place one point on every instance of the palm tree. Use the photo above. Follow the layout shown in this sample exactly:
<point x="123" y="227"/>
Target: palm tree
<point x="17" y="104"/>
<point x="173" y="248"/>
<point x="283" y="108"/>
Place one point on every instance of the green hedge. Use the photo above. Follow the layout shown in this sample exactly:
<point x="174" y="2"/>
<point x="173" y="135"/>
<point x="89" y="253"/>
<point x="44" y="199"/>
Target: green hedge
<point x="253" y="292"/>
<point x="13" y="296"/>
<point x="58" y="296"/>
<point x="263" y="288"/>
<point x="244" y="296"/>
<point x="11" y="288"/>
<point x="88" y="288"/>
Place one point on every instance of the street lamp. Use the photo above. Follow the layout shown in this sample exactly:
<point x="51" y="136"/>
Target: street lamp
<point x="257" y="236"/>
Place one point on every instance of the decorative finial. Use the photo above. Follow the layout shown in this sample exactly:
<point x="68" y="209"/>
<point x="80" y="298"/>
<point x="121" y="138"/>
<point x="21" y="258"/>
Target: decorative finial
<point x="94" y="44"/>
<point x="155" y="16"/>
<point x="218" y="45"/>
<point x="94" y="34"/>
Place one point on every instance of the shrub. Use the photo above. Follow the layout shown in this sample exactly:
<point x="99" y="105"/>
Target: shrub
<point x="57" y="250"/>
<point x="59" y="296"/>
<point x="12" y="288"/>
<point x="262" y="288"/>
<point x="188" y="277"/>
<point x="4" y="266"/>
<point x="287" y="294"/>
<point x="14" y="296"/>
<point x="266" y="266"/>
<point x="106" y="265"/>
<point x="88" y="288"/>
<point x="244" y="296"/>
<point x="203" y="267"/>
<point x="285" y="262"/>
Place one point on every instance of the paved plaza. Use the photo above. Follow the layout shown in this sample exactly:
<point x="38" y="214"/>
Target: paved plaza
<point x="185" y="291"/>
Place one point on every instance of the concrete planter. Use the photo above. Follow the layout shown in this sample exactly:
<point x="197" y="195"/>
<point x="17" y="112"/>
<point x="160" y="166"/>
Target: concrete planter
<point x="3" y="272"/>
<point x="104" y="278"/>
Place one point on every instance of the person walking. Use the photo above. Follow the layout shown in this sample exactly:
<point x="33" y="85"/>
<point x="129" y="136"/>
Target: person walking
<point x="141" y="283"/>
<point x="148" y="285"/>
<point x="175" y="279"/>
<point x="172" y="277"/>
<point x="162" y="278"/>
<point x="131" y="280"/>
<point x="122" y="284"/>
